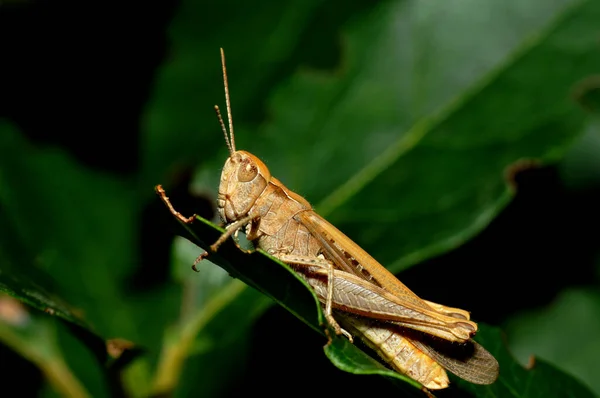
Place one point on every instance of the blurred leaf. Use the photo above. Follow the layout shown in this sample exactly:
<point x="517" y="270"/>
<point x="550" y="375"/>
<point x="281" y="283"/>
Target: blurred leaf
<point x="69" y="244"/>
<point x="565" y="334"/>
<point x="214" y="309"/>
<point x="79" y="226"/>
<point x="80" y="245"/>
<point x="581" y="167"/>
<point x="28" y="288"/>
<point x="48" y="344"/>
<point x="221" y="342"/>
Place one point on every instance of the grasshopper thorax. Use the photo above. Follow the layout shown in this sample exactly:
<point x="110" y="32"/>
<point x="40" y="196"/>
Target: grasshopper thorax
<point x="243" y="180"/>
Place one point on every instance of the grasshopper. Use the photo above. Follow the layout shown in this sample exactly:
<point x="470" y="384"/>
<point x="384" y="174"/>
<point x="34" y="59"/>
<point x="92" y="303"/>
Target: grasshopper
<point x="414" y="336"/>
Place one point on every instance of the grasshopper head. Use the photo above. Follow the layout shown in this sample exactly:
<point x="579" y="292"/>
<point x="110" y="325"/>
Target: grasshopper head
<point x="244" y="176"/>
<point x="243" y="179"/>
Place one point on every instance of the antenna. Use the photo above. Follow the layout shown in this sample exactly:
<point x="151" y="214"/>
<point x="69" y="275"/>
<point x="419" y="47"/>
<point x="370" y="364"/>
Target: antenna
<point x="224" y="129"/>
<point x="229" y="138"/>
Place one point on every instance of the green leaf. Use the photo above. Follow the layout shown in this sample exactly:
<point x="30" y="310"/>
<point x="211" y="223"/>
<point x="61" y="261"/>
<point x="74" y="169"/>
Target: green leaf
<point x="427" y="156"/>
<point x="347" y="357"/>
<point x="563" y="333"/>
<point x="417" y="124"/>
<point x="50" y="345"/>
<point x="29" y="288"/>
<point x="581" y="167"/>
<point x="260" y="271"/>
<point x="68" y="247"/>
<point x="77" y="243"/>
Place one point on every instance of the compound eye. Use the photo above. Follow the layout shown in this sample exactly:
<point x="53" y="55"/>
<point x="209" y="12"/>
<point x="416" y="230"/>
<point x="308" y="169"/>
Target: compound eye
<point x="247" y="171"/>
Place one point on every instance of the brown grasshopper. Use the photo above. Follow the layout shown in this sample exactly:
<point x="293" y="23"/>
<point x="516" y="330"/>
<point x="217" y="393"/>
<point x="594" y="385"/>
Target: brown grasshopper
<point x="412" y="335"/>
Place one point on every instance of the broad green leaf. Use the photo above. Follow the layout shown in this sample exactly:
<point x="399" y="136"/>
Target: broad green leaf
<point x="427" y="171"/>
<point x="416" y="125"/>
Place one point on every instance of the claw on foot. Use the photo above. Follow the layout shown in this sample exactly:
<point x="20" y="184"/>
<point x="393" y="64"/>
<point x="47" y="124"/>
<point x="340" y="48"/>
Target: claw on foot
<point x="341" y="331"/>
<point x="338" y="330"/>
<point x="348" y="336"/>
<point x="198" y="259"/>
